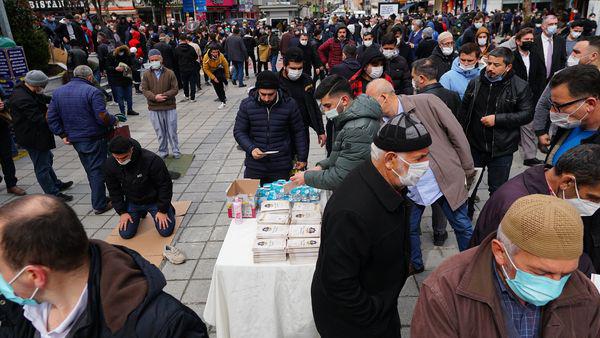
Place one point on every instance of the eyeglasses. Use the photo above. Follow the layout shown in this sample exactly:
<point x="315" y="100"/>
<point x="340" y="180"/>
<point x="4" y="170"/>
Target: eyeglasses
<point x="558" y="107"/>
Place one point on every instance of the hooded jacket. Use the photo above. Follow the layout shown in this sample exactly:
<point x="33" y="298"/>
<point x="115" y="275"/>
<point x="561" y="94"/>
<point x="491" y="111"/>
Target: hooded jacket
<point x="303" y="91"/>
<point x="457" y="79"/>
<point x="125" y="300"/>
<point x="186" y="58"/>
<point x="330" y="51"/>
<point x="120" y="55"/>
<point x="441" y="61"/>
<point x="346" y="69"/>
<point x="144" y="180"/>
<point x="398" y="70"/>
<point x="354" y="131"/>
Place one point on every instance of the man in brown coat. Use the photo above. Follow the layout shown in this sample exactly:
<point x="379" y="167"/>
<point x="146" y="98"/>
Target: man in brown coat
<point x="159" y="86"/>
<point x="443" y="185"/>
<point x="520" y="282"/>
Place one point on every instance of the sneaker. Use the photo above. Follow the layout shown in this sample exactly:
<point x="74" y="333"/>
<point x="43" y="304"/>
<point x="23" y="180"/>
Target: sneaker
<point x="193" y="100"/>
<point x="133" y="113"/>
<point x="440" y="238"/>
<point x="65" y="185"/>
<point x="184" y="99"/>
<point x="173" y="255"/>
<point x="234" y="82"/>
<point x="532" y="161"/>
<point x="222" y="105"/>
<point x="18" y="191"/>
<point x="242" y="85"/>
<point x="177" y="156"/>
<point x="64" y="197"/>
<point x="106" y="208"/>
<point x="138" y="92"/>
<point x="174" y="175"/>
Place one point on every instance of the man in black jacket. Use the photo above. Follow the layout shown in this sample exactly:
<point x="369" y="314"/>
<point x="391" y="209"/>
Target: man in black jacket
<point x="496" y="104"/>
<point x="364" y="254"/>
<point x="187" y="63"/>
<point x="84" y="288"/>
<point x="167" y="52"/>
<point x="396" y="66"/>
<point x="138" y="183"/>
<point x="28" y="107"/>
<point x="444" y="53"/>
<point x="424" y="72"/>
<point x="349" y="66"/>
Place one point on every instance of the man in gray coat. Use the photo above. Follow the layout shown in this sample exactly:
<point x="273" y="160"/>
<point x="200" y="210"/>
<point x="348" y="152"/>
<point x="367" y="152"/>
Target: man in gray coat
<point x="451" y="164"/>
<point x="235" y="49"/>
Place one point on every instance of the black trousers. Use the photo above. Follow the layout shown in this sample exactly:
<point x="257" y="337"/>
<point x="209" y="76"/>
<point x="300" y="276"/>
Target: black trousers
<point x="266" y="178"/>
<point x="189" y="80"/>
<point x="8" y="166"/>
<point x="253" y="58"/>
<point x="262" y="66"/>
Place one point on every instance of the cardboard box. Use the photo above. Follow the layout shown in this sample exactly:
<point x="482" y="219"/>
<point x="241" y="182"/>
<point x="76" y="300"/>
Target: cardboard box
<point x="245" y="189"/>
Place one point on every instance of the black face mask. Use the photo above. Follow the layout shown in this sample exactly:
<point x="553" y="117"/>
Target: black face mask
<point x="526" y="46"/>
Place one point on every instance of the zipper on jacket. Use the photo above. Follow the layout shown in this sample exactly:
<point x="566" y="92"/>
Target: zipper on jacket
<point x="487" y="106"/>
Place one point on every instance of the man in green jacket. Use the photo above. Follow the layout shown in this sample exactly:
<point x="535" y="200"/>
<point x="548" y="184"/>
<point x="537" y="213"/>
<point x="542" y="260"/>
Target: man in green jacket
<point x="356" y="121"/>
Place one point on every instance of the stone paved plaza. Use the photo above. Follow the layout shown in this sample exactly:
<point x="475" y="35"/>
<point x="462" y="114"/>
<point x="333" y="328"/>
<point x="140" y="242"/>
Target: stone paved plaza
<point x="207" y="133"/>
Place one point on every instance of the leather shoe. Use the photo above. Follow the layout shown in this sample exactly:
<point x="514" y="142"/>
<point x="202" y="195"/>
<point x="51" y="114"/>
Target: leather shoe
<point x="64" y="197"/>
<point x="132" y="113"/>
<point x="532" y="161"/>
<point x="16" y="191"/>
<point x="440" y="239"/>
<point x="107" y="208"/>
<point x="65" y="185"/>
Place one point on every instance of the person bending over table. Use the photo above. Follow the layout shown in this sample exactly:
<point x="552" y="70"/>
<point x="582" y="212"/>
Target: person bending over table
<point x="139" y="183"/>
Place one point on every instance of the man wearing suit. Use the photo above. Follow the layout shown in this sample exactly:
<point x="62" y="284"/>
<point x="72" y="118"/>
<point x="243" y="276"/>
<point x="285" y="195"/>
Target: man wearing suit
<point x="551" y="47"/>
<point x="529" y="67"/>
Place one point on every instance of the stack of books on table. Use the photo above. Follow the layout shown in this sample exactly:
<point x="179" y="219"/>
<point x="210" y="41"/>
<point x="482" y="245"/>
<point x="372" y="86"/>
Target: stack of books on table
<point x="264" y="231"/>
<point x="305" y="217"/>
<point x="269" y="250"/>
<point x="303" y="250"/>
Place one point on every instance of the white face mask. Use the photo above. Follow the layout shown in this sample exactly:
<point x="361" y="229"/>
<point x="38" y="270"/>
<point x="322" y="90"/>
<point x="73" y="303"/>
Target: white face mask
<point x="389" y="53"/>
<point x="466" y="68"/>
<point x="304" y="42"/>
<point x="376" y="72"/>
<point x="482" y="41"/>
<point x="538" y="25"/>
<point x="585" y="207"/>
<point x="575" y="35"/>
<point x="155" y="65"/>
<point x="333" y="113"/>
<point x="478" y="25"/>
<point x="572" y="61"/>
<point x="414" y="84"/>
<point x="124" y="162"/>
<point x="368" y="43"/>
<point x="551" y="29"/>
<point x="447" y="50"/>
<point x="294" y="74"/>
<point x="414" y="173"/>
<point x="562" y="120"/>
<point x="398" y="40"/>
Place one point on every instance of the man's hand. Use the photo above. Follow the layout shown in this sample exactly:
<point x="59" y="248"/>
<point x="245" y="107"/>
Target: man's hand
<point x="300" y="165"/>
<point x="257" y="154"/>
<point x="119" y="69"/>
<point x="488" y="121"/>
<point x="160" y="97"/>
<point x="163" y="220"/>
<point x="298" y="179"/>
<point x="215" y="80"/>
<point x="125" y="219"/>
<point x="544" y="140"/>
<point x="66" y="141"/>
<point x="322" y="140"/>
<point x="1" y="105"/>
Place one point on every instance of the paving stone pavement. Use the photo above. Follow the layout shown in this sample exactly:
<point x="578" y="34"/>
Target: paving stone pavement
<point x="207" y="132"/>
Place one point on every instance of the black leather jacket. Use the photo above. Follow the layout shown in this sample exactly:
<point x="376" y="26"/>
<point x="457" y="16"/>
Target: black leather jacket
<point x="510" y="100"/>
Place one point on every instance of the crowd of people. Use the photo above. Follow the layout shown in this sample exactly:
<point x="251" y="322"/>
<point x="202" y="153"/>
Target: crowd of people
<point x="414" y="105"/>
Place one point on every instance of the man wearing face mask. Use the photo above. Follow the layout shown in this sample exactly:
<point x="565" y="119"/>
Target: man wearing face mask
<point x="469" y="34"/>
<point x="330" y="51"/>
<point x="350" y="65"/>
<point x="355" y="120"/>
<point x="494" y="107"/>
<point x="372" y="67"/>
<point x="574" y="33"/>
<point x="366" y="43"/>
<point x="520" y="282"/>
<point x="310" y="57"/>
<point x="443" y="54"/>
<point x="396" y="65"/>
<point x="363" y="259"/>
<point x="550" y="46"/>
<point x="575" y="178"/>
<point x="138" y="183"/>
<point x="299" y="86"/>
<point x="464" y="68"/>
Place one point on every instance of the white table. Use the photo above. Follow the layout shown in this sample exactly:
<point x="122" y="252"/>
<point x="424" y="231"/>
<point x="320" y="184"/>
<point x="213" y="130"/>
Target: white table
<point x="258" y="300"/>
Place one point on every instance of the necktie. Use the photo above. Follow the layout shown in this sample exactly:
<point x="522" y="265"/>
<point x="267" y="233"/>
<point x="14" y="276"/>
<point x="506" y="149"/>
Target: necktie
<point x="549" y="59"/>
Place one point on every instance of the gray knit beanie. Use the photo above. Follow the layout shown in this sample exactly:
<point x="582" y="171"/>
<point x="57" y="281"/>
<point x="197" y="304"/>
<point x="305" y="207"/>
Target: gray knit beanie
<point x="36" y="78"/>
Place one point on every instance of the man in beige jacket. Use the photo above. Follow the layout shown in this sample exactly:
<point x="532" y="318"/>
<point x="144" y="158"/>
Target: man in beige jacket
<point x="451" y="164"/>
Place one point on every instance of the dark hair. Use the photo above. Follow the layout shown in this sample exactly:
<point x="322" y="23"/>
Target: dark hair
<point x="332" y="85"/>
<point x="389" y="39"/>
<point x="577" y="23"/>
<point x="367" y="34"/>
<point x="504" y="53"/>
<point x="293" y="54"/>
<point x="581" y="80"/>
<point x="478" y="16"/>
<point x="119" y="145"/>
<point x="594" y="41"/>
<point x="469" y="48"/>
<point x="349" y="51"/>
<point x="42" y="230"/>
<point x="426" y="68"/>
<point x="305" y="34"/>
<point x="583" y="162"/>
<point x="236" y="30"/>
<point x="316" y="32"/>
<point x="520" y="34"/>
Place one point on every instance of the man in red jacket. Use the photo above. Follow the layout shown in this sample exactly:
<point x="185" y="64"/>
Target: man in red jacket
<point x="330" y="52"/>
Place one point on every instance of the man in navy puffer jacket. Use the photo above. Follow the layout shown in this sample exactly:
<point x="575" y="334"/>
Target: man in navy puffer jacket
<point x="267" y="123"/>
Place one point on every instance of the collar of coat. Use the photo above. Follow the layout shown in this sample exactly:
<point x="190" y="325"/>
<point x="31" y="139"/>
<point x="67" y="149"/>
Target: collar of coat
<point x="386" y="194"/>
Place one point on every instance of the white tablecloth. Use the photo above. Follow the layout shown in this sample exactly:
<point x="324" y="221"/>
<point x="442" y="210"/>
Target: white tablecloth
<point x="258" y="300"/>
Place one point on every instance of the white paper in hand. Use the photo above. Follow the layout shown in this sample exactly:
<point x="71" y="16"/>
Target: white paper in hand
<point x="596" y="281"/>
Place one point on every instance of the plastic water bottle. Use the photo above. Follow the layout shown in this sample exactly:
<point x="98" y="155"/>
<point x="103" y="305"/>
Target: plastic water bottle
<point x="237" y="210"/>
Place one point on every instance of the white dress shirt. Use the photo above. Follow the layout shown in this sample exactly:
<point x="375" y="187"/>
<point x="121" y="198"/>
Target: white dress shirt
<point x="527" y="63"/>
<point x="546" y="41"/>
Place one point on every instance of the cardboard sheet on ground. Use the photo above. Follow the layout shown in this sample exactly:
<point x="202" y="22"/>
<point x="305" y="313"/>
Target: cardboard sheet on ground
<point x="180" y="165"/>
<point x="147" y="242"/>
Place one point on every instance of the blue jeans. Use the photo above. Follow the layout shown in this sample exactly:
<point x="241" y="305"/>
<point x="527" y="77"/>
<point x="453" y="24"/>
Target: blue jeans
<point x="498" y="169"/>
<point x="92" y="155"/>
<point x="42" y="166"/>
<point x="274" y="62"/>
<point x="122" y="94"/>
<point x="239" y="72"/>
<point x="137" y="211"/>
<point x="459" y="220"/>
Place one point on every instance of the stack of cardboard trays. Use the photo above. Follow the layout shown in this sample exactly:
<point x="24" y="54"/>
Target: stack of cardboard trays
<point x="272" y="231"/>
<point x="304" y="237"/>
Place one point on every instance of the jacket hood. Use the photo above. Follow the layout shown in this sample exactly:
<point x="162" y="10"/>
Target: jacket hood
<point x="468" y="74"/>
<point x="122" y="48"/>
<point x="363" y="106"/>
<point x="135" y="35"/>
<point x="128" y="282"/>
<point x="353" y="64"/>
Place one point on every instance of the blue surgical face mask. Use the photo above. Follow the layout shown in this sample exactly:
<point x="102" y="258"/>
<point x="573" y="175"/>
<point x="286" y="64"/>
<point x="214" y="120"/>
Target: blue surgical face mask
<point x="534" y="289"/>
<point x="8" y="292"/>
<point x="496" y="78"/>
<point x="333" y="112"/>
